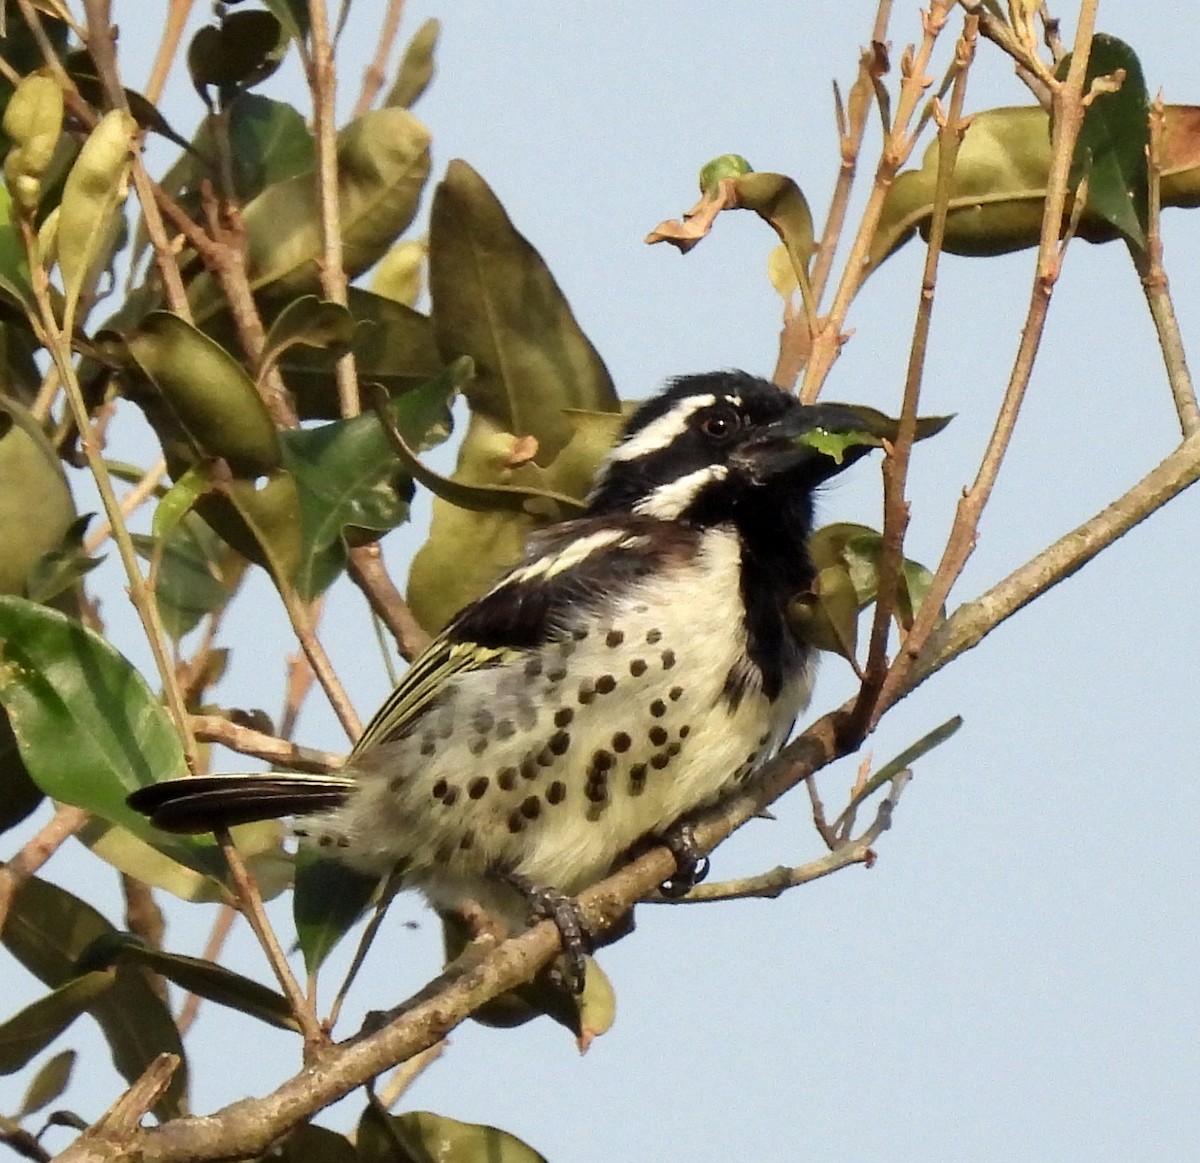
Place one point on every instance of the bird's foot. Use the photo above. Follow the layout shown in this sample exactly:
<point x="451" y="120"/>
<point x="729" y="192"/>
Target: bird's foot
<point x="551" y="904"/>
<point x="691" y="865"/>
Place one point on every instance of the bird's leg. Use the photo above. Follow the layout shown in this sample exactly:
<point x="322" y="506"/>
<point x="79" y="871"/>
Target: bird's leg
<point x="551" y="904"/>
<point x="691" y="865"/>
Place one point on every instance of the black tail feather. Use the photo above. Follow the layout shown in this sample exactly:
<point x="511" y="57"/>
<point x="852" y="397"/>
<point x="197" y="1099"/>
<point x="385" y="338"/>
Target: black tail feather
<point x="202" y="803"/>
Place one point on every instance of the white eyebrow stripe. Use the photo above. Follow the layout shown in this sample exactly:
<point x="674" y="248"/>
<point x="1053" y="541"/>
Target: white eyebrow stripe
<point x="669" y="500"/>
<point x="660" y="432"/>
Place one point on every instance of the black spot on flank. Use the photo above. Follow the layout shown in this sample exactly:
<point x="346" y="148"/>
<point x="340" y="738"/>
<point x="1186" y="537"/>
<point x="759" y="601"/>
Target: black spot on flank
<point x="587" y="692"/>
<point x="446" y="727"/>
<point x="653" y="637"/>
<point x="526" y="714"/>
<point x="763" y="740"/>
<point x="621" y="741"/>
<point x="605" y="684"/>
<point x="668" y="659"/>
<point x="684" y="731"/>
<point x="477" y="787"/>
<point x="529" y="766"/>
<point x="466" y="841"/>
<point x="637" y="779"/>
<point x="451" y="796"/>
<point x="597" y="789"/>
<point x="556" y="792"/>
<point x="563" y="716"/>
<point x="545" y="757"/>
<point x="675" y="694"/>
<point x="478" y="746"/>
<point x="440" y="788"/>
<point x="614" y="638"/>
<point x="659" y="760"/>
<point x="559" y="742"/>
<point x="343" y="841"/>
<point x="506" y="778"/>
<point x="428" y="745"/>
<point x="579" y="633"/>
<point x="658" y="736"/>
<point x="531" y="808"/>
<point x="301" y="833"/>
<point x="556" y="674"/>
<point x="673" y="749"/>
<point x="533" y="667"/>
<point x="505" y="729"/>
<point x="396" y="782"/>
<point x="325" y="841"/>
<point x="516" y="822"/>
<point x="601" y="762"/>
<point x="658" y="708"/>
<point x="441" y="854"/>
<point x="483" y="721"/>
<point x="638" y="667"/>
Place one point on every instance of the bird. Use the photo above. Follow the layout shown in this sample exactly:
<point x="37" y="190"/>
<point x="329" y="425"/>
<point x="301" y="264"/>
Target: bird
<point x="636" y="665"/>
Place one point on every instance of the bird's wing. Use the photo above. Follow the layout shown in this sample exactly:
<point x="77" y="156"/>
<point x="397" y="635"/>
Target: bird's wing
<point x="570" y="567"/>
<point x="420" y="686"/>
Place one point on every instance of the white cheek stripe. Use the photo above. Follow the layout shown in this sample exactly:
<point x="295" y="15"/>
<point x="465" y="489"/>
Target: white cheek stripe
<point x="659" y="433"/>
<point x="669" y="500"/>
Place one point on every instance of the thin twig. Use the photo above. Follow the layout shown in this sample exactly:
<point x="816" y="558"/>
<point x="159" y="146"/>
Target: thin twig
<point x="368" y="572"/>
<point x="376" y="72"/>
<point x="320" y="70"/>
<point x="130" y="503"/>
<point x="250" y="905"/>
<point x="951" y="129"/>
<point x="392" y="1091"/>
<point x="776" y="881"/>
<point x="218" y="935"/>
<point x="66" y="821"/>
<point x="178" y="12"/>
<point x="898" y="145"/>
<point x="1149" y="264"/>
<point x="276" y="751"/>
<point x="1069" y="109"/>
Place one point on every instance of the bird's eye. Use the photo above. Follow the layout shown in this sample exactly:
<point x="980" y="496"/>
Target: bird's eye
<point x="720" y="425"/>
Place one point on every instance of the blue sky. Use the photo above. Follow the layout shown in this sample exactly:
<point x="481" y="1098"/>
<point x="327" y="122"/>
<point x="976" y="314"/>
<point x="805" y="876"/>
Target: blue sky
<point x="1014" y="979"/>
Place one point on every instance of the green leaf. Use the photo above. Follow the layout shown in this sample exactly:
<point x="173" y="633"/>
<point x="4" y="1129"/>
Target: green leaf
<point x="350" y="483"/>
<point x="197" y="574"/>
<point x="495" y="300"/>
<point x="1113" y="139"/>
<point x="36" y="509"/>
<point x="269" y="142"/>
<point x="91" y="202"/>
<point x="328" y="901"/>
<point x="416" y="66"/>
<point x="58" y="571"/>
<point x="89" y="729"/>
<point x="29" y="1031"/>
<point x="48" y="1084"/>
<point x="46" y="931"/>
<point x="905" y="760"/>
<point x="423" y="1137"/>
<point x="203" y="978"/>
<point x="313" y="1144"/>
<point x="307" y="322"/>
<point x="14" y="262"/>
<point x="779" y="202"/>
<point x="19" y="795"/>
<point x="383" y="161"/>
<point x="210" y="396"/>
<point x="728" y="165"/>
<point x="241" y="51"/>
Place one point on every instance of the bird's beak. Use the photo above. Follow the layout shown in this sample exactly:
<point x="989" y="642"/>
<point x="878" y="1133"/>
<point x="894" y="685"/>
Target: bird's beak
<point x="817" y="441"/>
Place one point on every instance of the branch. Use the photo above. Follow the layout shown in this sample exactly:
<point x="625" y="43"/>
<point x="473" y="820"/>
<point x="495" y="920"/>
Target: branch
<point x="66" y="821"/>
<point x="276" y="751"/>
<point x="777" y="881"/>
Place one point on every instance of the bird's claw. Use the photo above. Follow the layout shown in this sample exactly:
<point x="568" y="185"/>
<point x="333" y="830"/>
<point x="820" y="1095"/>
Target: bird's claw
<point x="691" y="865"/>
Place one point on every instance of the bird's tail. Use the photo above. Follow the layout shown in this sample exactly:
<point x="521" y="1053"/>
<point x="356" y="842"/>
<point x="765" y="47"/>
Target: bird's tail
<point x="201" y="803"/>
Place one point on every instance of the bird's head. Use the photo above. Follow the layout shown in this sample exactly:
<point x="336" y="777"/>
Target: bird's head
<point x="711" y="443"/>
